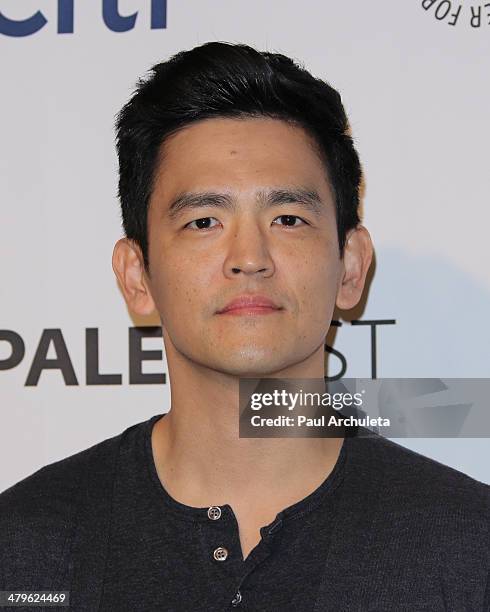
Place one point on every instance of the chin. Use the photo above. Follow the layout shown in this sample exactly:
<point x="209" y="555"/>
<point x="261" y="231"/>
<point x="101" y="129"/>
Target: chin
<point x="253" y="363"/>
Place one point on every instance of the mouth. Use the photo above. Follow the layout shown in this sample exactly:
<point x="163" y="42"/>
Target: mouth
<point x="250" y="305"/>
<point x="250" y="311"/>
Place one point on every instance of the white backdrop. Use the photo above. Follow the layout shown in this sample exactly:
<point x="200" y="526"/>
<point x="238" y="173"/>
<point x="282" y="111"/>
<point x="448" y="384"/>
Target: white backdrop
<point x="415" y="84"/>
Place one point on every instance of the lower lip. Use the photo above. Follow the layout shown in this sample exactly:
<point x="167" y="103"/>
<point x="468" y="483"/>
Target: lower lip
<point x="251" y="310"/>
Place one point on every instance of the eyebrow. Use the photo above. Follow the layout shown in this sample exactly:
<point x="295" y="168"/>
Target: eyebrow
<point x="305" y="197"/>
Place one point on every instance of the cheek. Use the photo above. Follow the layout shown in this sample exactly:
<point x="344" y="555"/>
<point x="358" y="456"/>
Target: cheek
<point x="182" y="285"/>
<point x="317" y="286"/>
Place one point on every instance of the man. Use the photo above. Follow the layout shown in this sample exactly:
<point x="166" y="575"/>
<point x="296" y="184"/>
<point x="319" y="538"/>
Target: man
<point x="239" y="191"/>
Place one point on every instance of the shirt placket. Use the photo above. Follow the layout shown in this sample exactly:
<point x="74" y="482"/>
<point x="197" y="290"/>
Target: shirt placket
<point x="223" y="545"/>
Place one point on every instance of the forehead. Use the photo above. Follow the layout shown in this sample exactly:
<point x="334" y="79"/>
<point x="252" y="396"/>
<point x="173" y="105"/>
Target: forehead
<point x="238" y="154"/>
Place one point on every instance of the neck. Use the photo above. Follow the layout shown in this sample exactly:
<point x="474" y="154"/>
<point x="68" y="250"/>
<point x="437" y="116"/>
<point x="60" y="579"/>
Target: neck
<point x="202" y="461"/>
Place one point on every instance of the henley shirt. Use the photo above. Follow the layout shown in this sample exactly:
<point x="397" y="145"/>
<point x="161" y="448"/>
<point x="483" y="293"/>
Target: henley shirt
<point x="165" y="554"/>
<point x="388" y="529"/>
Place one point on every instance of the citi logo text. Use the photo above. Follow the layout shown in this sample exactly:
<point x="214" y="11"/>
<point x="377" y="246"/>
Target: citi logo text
<point x="111" y="17"/>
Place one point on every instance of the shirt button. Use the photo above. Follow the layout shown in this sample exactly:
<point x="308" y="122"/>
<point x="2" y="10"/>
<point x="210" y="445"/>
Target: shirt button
<point x="214" y="513"/>
<point x="237" y="599"/>
<point x="220" y="554"/>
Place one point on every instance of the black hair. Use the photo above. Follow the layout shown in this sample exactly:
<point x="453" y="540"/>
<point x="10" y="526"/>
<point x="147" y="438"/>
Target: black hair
<point x="219" y="79"/>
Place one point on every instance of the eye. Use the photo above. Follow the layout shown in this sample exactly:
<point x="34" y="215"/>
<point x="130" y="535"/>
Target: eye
<point x="201" y="223"/>
<point x="290" y="220"/>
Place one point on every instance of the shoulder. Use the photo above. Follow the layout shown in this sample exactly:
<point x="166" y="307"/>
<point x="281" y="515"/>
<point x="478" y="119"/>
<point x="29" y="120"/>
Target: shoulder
<point x="39" y="514"/>
<point x="424" y="523"/>
<point x="413" y="476"/>
<point x="422" y="500"/>
<point x="51" y="490"/>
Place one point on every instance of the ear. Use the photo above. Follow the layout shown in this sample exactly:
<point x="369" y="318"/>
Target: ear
<point x="358" y="253"/>
<point x="127" y="263"/>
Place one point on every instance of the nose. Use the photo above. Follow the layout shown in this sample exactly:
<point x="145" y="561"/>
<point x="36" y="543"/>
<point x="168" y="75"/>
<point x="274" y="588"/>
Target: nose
<point x="248" y="251"/>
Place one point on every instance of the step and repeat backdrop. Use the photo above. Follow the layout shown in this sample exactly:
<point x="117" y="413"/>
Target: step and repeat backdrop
<point x="75" y="366"/>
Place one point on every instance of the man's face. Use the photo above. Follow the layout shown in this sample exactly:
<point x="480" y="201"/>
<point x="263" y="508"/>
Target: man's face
<point x="260" y="235"/>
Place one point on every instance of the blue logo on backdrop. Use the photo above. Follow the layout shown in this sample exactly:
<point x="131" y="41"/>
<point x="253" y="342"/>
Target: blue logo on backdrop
<point x="66" y="21"/>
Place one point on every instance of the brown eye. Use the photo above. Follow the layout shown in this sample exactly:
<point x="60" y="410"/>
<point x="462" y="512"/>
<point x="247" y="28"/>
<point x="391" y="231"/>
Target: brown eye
<point x="290" y="220"/>
<point x="202" y="223"/>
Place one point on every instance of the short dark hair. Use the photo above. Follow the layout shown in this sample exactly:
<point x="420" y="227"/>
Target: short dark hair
<point x="219" y="79"/>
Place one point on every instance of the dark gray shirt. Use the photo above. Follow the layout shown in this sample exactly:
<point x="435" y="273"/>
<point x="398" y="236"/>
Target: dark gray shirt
<point x="388" y="529"/>
<point x="167" y="555"/>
